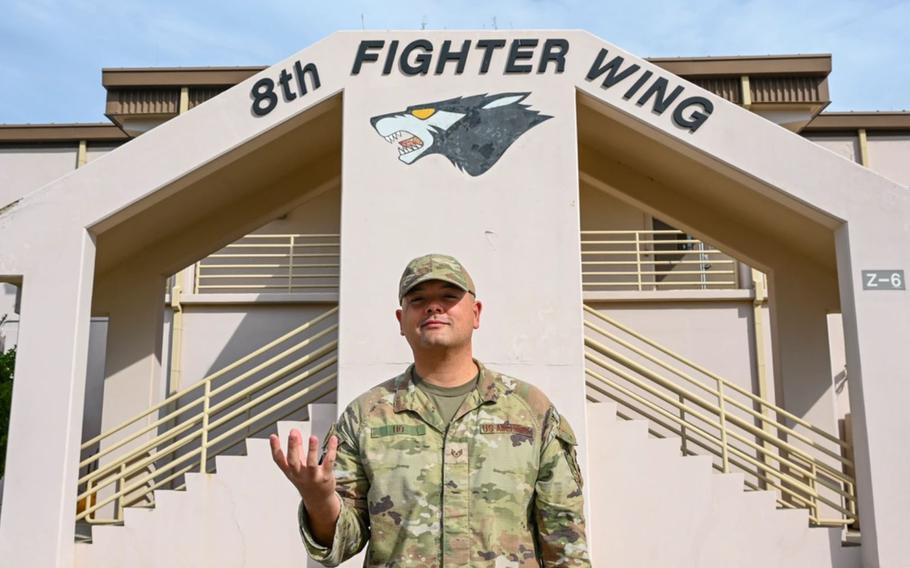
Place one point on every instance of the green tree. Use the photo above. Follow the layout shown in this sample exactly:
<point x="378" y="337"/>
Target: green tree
<point x="7" y="364"/>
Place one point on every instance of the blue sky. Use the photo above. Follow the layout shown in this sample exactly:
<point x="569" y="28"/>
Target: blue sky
<point x="52" y="53"/>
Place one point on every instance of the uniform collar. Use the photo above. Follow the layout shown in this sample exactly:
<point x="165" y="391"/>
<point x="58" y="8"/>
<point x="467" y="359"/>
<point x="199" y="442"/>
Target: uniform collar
<point x="409" y="397"/>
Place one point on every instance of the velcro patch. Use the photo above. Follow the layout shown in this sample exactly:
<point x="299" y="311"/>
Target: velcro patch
<point x="507" y="428"/>
<point x="397" y="429"/>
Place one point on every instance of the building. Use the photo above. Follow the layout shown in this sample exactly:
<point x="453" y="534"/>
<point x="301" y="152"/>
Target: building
<point x="688" y="255"/>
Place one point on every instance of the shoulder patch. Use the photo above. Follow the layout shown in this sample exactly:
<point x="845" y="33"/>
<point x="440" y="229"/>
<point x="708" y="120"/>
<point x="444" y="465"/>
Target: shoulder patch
<point x="565" y="432"/>
<point x="566" y="437"/>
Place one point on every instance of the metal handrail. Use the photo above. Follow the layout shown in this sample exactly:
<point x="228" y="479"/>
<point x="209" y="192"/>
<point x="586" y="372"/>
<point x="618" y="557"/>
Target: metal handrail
<point x="717" y="393"/>
<point x="192" y="439"/>
<point x="290" y="262"/>
<point x="752" y="396"/>
<point x="711" y="418"/>
<point x="647" y="266"/>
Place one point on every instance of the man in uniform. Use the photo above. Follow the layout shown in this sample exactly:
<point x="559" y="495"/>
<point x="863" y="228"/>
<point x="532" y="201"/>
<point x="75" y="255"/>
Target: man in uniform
<point x="448" y="464"/>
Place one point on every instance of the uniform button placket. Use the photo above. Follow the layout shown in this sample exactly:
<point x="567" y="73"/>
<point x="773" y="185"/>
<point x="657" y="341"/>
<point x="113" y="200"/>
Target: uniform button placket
<point x="456" y="541"/>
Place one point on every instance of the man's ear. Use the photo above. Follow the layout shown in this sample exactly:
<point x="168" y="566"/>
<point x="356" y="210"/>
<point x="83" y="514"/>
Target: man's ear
<point x="478" y="307"/>
<point x="398" y="317"/>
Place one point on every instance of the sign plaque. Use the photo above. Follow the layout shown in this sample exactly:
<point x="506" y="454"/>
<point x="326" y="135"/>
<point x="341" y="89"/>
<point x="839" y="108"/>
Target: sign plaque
<point x="884" y="280"/>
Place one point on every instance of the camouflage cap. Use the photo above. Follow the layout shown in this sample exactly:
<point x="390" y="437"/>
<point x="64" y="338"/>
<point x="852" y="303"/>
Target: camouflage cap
<point x="435" y="267"/>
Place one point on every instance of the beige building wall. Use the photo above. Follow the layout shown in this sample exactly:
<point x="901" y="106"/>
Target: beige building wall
<point x="322" y="214"/>
<point x="843" y="145"/>
<point x="601" y="211"/>
<point x="715" y="334"/>
<point x="500" y="244"/>
<point x="95" y="151"/>
<point x="888" y="155"/>
<point x="217" y="335"/>
<point x="26" y="168"/>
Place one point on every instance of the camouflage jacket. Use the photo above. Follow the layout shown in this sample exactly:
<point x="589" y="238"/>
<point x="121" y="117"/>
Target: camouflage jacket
<point x="499" y="487"/>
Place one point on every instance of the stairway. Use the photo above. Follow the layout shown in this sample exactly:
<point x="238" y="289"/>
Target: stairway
<point x="244" y="515"/>
<point x="651" y="507"/>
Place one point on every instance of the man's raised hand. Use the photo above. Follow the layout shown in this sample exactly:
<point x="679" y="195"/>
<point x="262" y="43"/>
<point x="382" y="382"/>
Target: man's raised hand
<point x="314" y="481"/>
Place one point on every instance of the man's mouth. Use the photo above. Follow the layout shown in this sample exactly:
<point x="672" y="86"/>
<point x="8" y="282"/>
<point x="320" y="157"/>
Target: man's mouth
<point x="433" y="323"/>
<point x="406" y="142"/>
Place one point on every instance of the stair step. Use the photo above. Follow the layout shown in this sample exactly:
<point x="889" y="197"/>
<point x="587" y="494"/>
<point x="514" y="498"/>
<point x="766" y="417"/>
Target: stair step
<point x="729" y="484"/>
<point x="106" y="535"/>
<point x="601" y="416"/>
<point x="633" y="429"/>
<point x="766" y="499"/>
<point x="666" y="446"/>
<point x="195" y="481"/>
<point x="135" y="517"/>
<point x="257" y="448"/>
<point x="165" y="499"/>
<point x="225" y="464"/>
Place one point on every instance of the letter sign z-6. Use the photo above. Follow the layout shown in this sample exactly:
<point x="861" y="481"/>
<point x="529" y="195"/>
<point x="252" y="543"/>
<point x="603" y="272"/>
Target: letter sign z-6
<point x="883" y="280"/>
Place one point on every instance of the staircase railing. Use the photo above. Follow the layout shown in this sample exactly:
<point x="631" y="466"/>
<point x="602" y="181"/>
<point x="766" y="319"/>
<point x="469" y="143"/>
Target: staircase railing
<point x="271" y="263"/>
<point x="186" y="430"/>
<point x="772" y="447"/>
<point x="651" y="260"/>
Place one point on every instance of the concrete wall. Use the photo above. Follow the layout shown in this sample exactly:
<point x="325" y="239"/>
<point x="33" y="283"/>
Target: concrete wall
<point x="94" y="380"/>
<point x="838" y="365"/>
<point x="845" y="145"/>
<point x="322" y="214"/>
<point x="888" y="156"/>
<point x="95" y="151"/>
<point x="887" y="151"/>
<point x="715" y="334"/>
<point x="516" y="221"/>
<point x="510" y="225"/>
<point x="26" y="168"/>
<point x="217" y="335"/>
<point x="600" y="211"/>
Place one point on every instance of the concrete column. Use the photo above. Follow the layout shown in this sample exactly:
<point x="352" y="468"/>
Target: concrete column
<point x="800" y="299"/>
<point x="876" y="336"/>
<point x="134" y="302"/>
<point x="37" y="524"/>
<point x="515" y="226"/>
<point x="802" y="364"/>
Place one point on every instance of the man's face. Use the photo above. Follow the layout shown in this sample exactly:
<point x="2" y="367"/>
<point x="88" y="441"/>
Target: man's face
<point x="438" y="315"/>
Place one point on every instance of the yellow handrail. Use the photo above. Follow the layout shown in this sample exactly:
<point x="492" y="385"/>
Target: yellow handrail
<point x="192" y="439"/>
<point x="216" y="375"/>
<point x="802" y="479"/>
<point x="272" y="263"/>
<point x="703" y="370"/>
<point x="718" y="393"/>
<point x="652" y="260"/>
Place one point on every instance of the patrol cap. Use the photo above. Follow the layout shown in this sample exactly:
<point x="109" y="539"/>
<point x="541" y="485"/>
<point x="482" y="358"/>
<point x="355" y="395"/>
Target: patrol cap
<point x="435" y="267"/>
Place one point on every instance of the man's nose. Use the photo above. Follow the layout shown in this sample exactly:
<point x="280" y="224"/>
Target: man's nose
<point x="434" y="305"/>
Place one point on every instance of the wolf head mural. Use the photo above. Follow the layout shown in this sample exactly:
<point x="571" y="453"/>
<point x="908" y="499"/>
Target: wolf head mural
<point x="472" y="132"/>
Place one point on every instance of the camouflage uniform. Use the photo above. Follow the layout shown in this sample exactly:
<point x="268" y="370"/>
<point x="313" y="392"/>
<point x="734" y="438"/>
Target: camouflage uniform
<point x="500" y="486"/>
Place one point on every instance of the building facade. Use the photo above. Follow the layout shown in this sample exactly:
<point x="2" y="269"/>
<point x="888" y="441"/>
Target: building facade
<point x="698" y="264"/>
